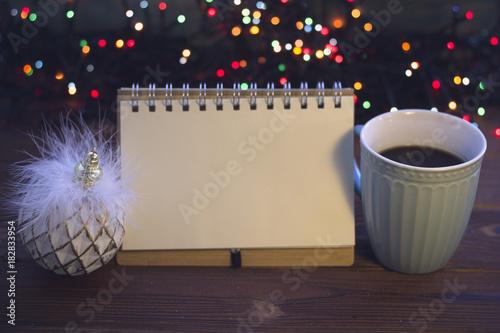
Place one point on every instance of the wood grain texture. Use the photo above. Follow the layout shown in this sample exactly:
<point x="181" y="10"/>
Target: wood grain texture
<point x="462" y="297"/>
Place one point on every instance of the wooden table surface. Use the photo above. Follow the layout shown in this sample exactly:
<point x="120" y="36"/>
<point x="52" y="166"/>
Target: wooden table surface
<point x="462" y="297"/>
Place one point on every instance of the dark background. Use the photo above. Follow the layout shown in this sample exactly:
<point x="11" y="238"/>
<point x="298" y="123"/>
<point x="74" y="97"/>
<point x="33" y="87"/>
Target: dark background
<point x="379" y="65"/>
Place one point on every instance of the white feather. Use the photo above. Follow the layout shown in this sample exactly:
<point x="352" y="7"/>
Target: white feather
<point x="44" y="187"/>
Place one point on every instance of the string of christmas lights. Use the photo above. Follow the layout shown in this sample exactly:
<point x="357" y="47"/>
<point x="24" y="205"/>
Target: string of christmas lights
<point x="249" y="41"/>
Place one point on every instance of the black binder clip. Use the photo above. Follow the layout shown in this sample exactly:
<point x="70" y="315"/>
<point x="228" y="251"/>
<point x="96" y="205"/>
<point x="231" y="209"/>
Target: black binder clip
<point x="235" y="258"/>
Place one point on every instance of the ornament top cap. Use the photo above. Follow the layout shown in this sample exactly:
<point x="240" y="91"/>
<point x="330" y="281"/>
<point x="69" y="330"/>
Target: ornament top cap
<point x="88" y="172"/>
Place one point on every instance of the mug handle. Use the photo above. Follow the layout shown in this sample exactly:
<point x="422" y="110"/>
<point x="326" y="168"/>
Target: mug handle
<point x="357" y="172"/>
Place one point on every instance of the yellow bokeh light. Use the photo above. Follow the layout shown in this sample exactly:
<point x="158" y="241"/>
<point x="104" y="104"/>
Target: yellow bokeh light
<point x="72" y="90"/>
<point x="452" y="105"/>
<point x="405" y="46"/>
<point x="86" y="49"/>
<point x="297" y="50"/>
<point x="337" y="23"/>
<point x="275" y="20"/>
<point x="356" y="13"/>
<point x="186" y="53"/>
<point x="368" y="26"/>
<point x="254" y="30"/>
<point x="139" y="26"/>
<point x="299" y="25"/>
<point x="119" y="43"/>
<point x="236" y="31"/>
<point x="257" y="14"/>
<point x="358" y="86"/>
<point x="320" y="54"/>
<point x="457" y="79"/>
<point x="415" y="65"/>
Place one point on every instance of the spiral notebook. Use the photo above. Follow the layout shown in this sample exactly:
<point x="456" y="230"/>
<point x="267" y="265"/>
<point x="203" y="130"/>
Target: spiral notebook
<point x="226" y="176"/>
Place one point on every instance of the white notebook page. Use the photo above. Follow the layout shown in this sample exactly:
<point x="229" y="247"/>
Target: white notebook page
<point x="240" y="179"/>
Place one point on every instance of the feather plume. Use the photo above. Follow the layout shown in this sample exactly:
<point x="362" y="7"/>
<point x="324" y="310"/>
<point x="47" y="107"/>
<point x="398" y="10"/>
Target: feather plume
<point x="44" y="186"/>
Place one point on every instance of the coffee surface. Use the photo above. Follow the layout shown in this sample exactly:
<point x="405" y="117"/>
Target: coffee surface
<point x="422" y="156"/>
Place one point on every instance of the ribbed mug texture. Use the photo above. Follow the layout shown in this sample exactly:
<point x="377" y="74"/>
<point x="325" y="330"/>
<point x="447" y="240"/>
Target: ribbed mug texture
<point x="415" y="219"/>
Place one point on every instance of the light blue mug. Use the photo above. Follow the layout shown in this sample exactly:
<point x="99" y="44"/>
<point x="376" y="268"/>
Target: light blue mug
<point x="416" y="216"/>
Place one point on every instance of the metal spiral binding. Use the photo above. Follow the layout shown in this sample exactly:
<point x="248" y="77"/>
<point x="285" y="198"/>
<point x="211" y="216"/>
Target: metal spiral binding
<point x="320" y="99"/>
<point x="219" y="97"/>
<point x="337" y="98"/>
<point x="253" y="96"/>
<point x="135" y="97"/>
<point x="185" y="97"/>
<point x="202" y="99"/>
<point x="287" y="95"/>
<point x="270" y="96"/>
<point x="236" y="96"/>
<point x="168" y="97"/>
<point x="151" y="97"/>
<point x="303" y="95"/>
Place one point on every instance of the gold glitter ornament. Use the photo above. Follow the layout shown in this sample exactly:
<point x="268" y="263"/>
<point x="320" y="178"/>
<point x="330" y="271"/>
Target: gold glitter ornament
<point x="71" y="213"/>
<point x="86" y="240"/>
<point x="81" y="244"/>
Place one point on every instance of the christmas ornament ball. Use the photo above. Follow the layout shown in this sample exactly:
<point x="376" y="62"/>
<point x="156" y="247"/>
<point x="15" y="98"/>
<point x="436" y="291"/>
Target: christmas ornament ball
<point x="82" y="243"/>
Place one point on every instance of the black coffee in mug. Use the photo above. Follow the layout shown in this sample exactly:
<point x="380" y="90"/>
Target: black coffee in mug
<point x="420" y="156"/>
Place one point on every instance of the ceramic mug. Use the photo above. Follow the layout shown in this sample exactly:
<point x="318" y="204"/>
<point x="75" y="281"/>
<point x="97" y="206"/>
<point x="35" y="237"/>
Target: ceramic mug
<point x="416" y="216"/>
